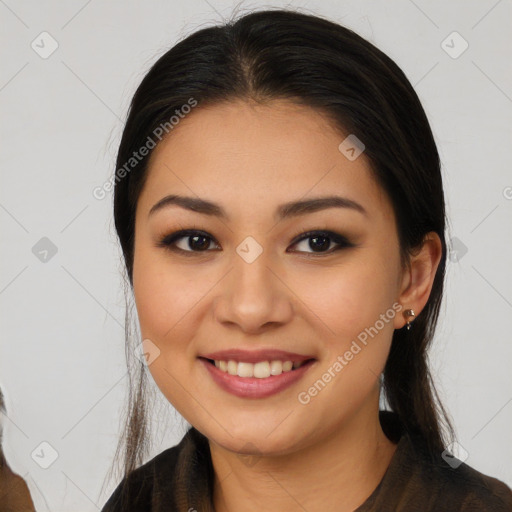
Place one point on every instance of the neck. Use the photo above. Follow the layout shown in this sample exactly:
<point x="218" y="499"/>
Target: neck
<point x="338" y="473"/>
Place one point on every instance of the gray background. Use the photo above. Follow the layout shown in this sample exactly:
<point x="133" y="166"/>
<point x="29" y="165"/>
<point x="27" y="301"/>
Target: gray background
<point x="62" y="363"/>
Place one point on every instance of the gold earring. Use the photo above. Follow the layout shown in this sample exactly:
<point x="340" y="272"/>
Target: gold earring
<point x="409" y="313"/>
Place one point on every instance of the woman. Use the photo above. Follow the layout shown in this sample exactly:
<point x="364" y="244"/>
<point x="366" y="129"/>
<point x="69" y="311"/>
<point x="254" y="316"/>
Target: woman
<point x="279" y="203"/>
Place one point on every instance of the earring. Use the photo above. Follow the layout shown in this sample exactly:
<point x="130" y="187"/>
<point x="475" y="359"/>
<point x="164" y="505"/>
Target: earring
<point x="409" y="313"/>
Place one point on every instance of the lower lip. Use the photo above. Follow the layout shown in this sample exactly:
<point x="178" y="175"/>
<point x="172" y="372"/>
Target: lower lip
<point x="252" y="387"/>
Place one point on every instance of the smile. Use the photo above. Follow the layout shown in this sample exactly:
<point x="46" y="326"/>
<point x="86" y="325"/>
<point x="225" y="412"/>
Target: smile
<point x="260" y="370"/>
<point x="255" y="380"/>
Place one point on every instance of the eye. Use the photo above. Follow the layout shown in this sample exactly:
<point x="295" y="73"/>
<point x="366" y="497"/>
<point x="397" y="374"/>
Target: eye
<point x="320" y="241"/>
<point x="189" y="242"/>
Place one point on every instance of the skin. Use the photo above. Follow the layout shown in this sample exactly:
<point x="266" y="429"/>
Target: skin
<point x="274" y="453"/>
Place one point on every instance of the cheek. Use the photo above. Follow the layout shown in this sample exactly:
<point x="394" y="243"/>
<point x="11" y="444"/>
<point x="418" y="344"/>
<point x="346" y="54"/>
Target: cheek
<point x="350" y="297"/>
<point x="163" y="295"/>
<point x="168" y="303"/>
<point x="351" y="305"/>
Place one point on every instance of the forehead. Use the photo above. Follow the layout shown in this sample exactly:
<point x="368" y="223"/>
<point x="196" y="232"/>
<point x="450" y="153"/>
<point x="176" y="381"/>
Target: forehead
<point x="248" y="155"/>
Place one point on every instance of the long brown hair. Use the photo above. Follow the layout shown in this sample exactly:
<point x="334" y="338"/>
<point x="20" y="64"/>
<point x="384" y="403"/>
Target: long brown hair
<point x="283" y="54"/>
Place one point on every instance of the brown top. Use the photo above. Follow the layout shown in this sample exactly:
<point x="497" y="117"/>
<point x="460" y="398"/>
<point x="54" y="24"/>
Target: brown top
<point x="412" y="483"/>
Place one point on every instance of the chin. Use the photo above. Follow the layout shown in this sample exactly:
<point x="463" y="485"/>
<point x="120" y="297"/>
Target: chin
<point x="253" y="441"/>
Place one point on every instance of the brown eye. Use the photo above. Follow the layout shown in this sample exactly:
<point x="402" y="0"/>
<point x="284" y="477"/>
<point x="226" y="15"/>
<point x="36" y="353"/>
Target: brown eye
<point x="190" y="242"/>
<point x="187" y="241"/>
<point x="320" y="241"/>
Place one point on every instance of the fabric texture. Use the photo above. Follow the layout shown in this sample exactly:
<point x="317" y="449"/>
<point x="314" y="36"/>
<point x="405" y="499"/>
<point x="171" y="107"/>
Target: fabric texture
<point x="412" y="482"/>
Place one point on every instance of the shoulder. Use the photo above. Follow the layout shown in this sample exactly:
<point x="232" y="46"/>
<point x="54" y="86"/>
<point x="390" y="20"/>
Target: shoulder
<point x="418" y="478"/>
<point x="141" y="487"/>
<point x="472" y="490"/>
<point x="458" y="486"/>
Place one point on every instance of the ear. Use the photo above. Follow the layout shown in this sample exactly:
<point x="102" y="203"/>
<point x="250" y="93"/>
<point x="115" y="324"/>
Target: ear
<point x="418" y="278"/>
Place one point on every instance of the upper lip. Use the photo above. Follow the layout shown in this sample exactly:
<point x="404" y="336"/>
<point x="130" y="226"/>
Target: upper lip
<point x="255" y="356"/>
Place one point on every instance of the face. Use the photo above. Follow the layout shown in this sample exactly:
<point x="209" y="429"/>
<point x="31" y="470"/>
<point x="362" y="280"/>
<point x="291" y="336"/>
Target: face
<point x="321" y="282"/>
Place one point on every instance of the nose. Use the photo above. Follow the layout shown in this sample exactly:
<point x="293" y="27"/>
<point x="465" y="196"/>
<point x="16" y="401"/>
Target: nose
<point x="253" y="296"/>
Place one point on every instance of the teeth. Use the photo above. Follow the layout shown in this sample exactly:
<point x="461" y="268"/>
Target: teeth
<point x="260" y="370"/>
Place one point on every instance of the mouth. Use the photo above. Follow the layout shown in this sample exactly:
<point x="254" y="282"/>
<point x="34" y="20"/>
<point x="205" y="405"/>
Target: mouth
<point x="256" y="380"/>
<point x="259" y="370"/>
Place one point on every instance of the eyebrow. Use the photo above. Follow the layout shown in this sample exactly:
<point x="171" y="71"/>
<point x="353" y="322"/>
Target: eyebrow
<point x="287" y="210"/>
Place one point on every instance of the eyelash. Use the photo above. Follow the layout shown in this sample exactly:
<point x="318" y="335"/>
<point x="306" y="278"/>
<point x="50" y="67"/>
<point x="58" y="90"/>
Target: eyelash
<point x="168" y="241"/>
